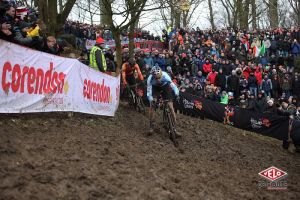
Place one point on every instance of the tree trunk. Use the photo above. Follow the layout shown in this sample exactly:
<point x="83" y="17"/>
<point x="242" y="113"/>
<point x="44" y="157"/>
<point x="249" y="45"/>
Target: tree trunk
<point x="52" y="23"/>
<point x="118" y="50"/>
<point x="103" y="14"/>
<point x="177" y="18"/>
<point x="239" y="12"/>
<point x="43" y="12"/>
<point x="35" y="3"/>
<point x="298" y="14"/>
<point x="254" y="14"/>
<point x="131" y="40"/>
<point x="273" y="13"/>
<point x="244" y="20"/>
<point x="60" y="6"/>
<point x="184" y="19"/>
<point x="211" y="15"/>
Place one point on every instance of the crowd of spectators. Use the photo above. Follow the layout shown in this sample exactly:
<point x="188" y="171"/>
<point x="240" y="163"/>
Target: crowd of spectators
<point x="21" y="25"/>
<point x="83" y="32"/>
<point x="256" y="70"/>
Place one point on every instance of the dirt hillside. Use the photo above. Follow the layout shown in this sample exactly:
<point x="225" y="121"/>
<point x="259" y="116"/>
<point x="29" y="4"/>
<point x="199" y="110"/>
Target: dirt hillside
<point x="53" y="156"/>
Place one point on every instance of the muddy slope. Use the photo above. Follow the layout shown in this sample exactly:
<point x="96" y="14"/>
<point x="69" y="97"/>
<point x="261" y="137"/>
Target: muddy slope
<point x="52" y="156"/>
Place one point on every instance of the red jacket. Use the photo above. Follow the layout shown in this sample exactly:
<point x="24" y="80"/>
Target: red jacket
<point x="212" y="77"/>
<point x="246" y="72"/>
<point x="207" y="68"/>
<point x="258" y="76"/>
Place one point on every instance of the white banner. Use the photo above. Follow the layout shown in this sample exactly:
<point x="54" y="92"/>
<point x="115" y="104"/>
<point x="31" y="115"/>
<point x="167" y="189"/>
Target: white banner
<point x="33" y="81"/>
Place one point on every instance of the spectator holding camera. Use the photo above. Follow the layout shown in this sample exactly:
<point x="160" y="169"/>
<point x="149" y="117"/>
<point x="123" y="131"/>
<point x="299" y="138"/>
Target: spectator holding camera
<point x="295" y="48"/>
<point x="8" y="24"/>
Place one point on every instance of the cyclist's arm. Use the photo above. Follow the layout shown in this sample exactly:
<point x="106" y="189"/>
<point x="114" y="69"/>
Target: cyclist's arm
<point x="149" y="89"/>
<point x="140" y="75"/>
<point x="124" y="73"/>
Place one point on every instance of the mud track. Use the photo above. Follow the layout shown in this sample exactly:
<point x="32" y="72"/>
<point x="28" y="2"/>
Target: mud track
<point x="53" y="156"/>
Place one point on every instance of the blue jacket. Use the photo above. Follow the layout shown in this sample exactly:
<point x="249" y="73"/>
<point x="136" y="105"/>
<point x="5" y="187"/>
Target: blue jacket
<point x="149" y="61"/>
<point x="295" y="48"/>
<point x="165" y="80"/>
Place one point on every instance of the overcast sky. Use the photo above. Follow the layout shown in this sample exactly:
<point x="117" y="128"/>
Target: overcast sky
<point x="152" y="20"/>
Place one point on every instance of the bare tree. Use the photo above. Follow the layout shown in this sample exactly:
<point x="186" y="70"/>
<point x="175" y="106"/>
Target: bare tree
<point x="178" y="13"/>
<point x="295" y="5"/>
<point x="254" y="14"/>
<point x="48" y="12"/>
<point x="130" y="11"/>
<point x="273" y="12"/>
<point x="211" y="15"/>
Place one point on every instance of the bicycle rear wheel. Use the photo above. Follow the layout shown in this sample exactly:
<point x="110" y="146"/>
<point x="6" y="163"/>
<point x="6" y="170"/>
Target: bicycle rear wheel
<point x="140" y="105"/>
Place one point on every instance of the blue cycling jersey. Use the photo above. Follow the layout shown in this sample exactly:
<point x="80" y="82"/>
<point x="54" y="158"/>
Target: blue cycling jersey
<point x="165" y="79"/>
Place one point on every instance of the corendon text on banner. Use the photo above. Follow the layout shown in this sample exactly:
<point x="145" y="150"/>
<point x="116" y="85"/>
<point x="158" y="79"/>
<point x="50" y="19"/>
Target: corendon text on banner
<point x="32" y="81"/>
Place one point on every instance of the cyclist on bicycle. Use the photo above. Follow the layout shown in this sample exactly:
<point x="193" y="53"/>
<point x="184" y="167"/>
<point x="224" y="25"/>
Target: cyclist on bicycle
<point x="128" y="70"/>
<point x="160" y="82"/>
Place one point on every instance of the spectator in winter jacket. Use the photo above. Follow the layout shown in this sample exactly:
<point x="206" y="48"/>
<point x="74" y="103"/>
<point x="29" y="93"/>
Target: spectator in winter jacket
<point x="233" y="84"/>
<point x="8" y="24"/>
<point x="220" y="80"/>
<point x="275" y="86"/>
<point x="211" y="77"/>
<point x="260" y="104"/>
<point x="266" y="86"/>
<point x="286" y="85"/>
<point x="148" y="60"/>
<point x="271" y="108"/>
<point x="258" y="75"/>
<point x="243" y="83"/>
<point x="201" y="79"/>
<point x="207" y="68"/>
<point x="296" y="85"/>
<point x="252" y="83"/>
<point x="295" y="48"/>
<point x="224" y="98"/>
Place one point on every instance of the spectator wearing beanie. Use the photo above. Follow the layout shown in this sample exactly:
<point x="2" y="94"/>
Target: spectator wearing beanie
<point x="252" y="83"/>
<point x="271" y="107"/>
<point x="220" y="80"/>
<point x="260" y="104"/>
<point x="233" y="84"/>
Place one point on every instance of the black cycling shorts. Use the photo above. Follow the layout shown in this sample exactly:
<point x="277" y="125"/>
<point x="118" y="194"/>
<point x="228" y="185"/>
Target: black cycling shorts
<point x="165" y="91"/>
<point x="130" y="80"/>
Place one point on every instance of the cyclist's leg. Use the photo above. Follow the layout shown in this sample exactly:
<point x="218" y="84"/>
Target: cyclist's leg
<point x="167" y="95"/>
<point x="130" y="81"/>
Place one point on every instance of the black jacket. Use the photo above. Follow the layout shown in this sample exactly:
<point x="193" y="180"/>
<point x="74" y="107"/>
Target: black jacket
<point x="220" y="80"/>
<point x="233" y="83"/>
<point x="260" y="105"/>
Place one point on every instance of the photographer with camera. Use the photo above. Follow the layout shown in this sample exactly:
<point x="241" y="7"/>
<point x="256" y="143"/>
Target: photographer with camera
<point x="7" y="22"/>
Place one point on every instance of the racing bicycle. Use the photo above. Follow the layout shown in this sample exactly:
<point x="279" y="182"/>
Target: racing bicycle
<point x="168" y="119"/>
<point x="135" y="98"/>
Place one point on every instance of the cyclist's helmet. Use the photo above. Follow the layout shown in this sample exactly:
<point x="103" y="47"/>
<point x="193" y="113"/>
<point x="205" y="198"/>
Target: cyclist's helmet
<point x="131" y="62"/>
<point x="156" y="72"/>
